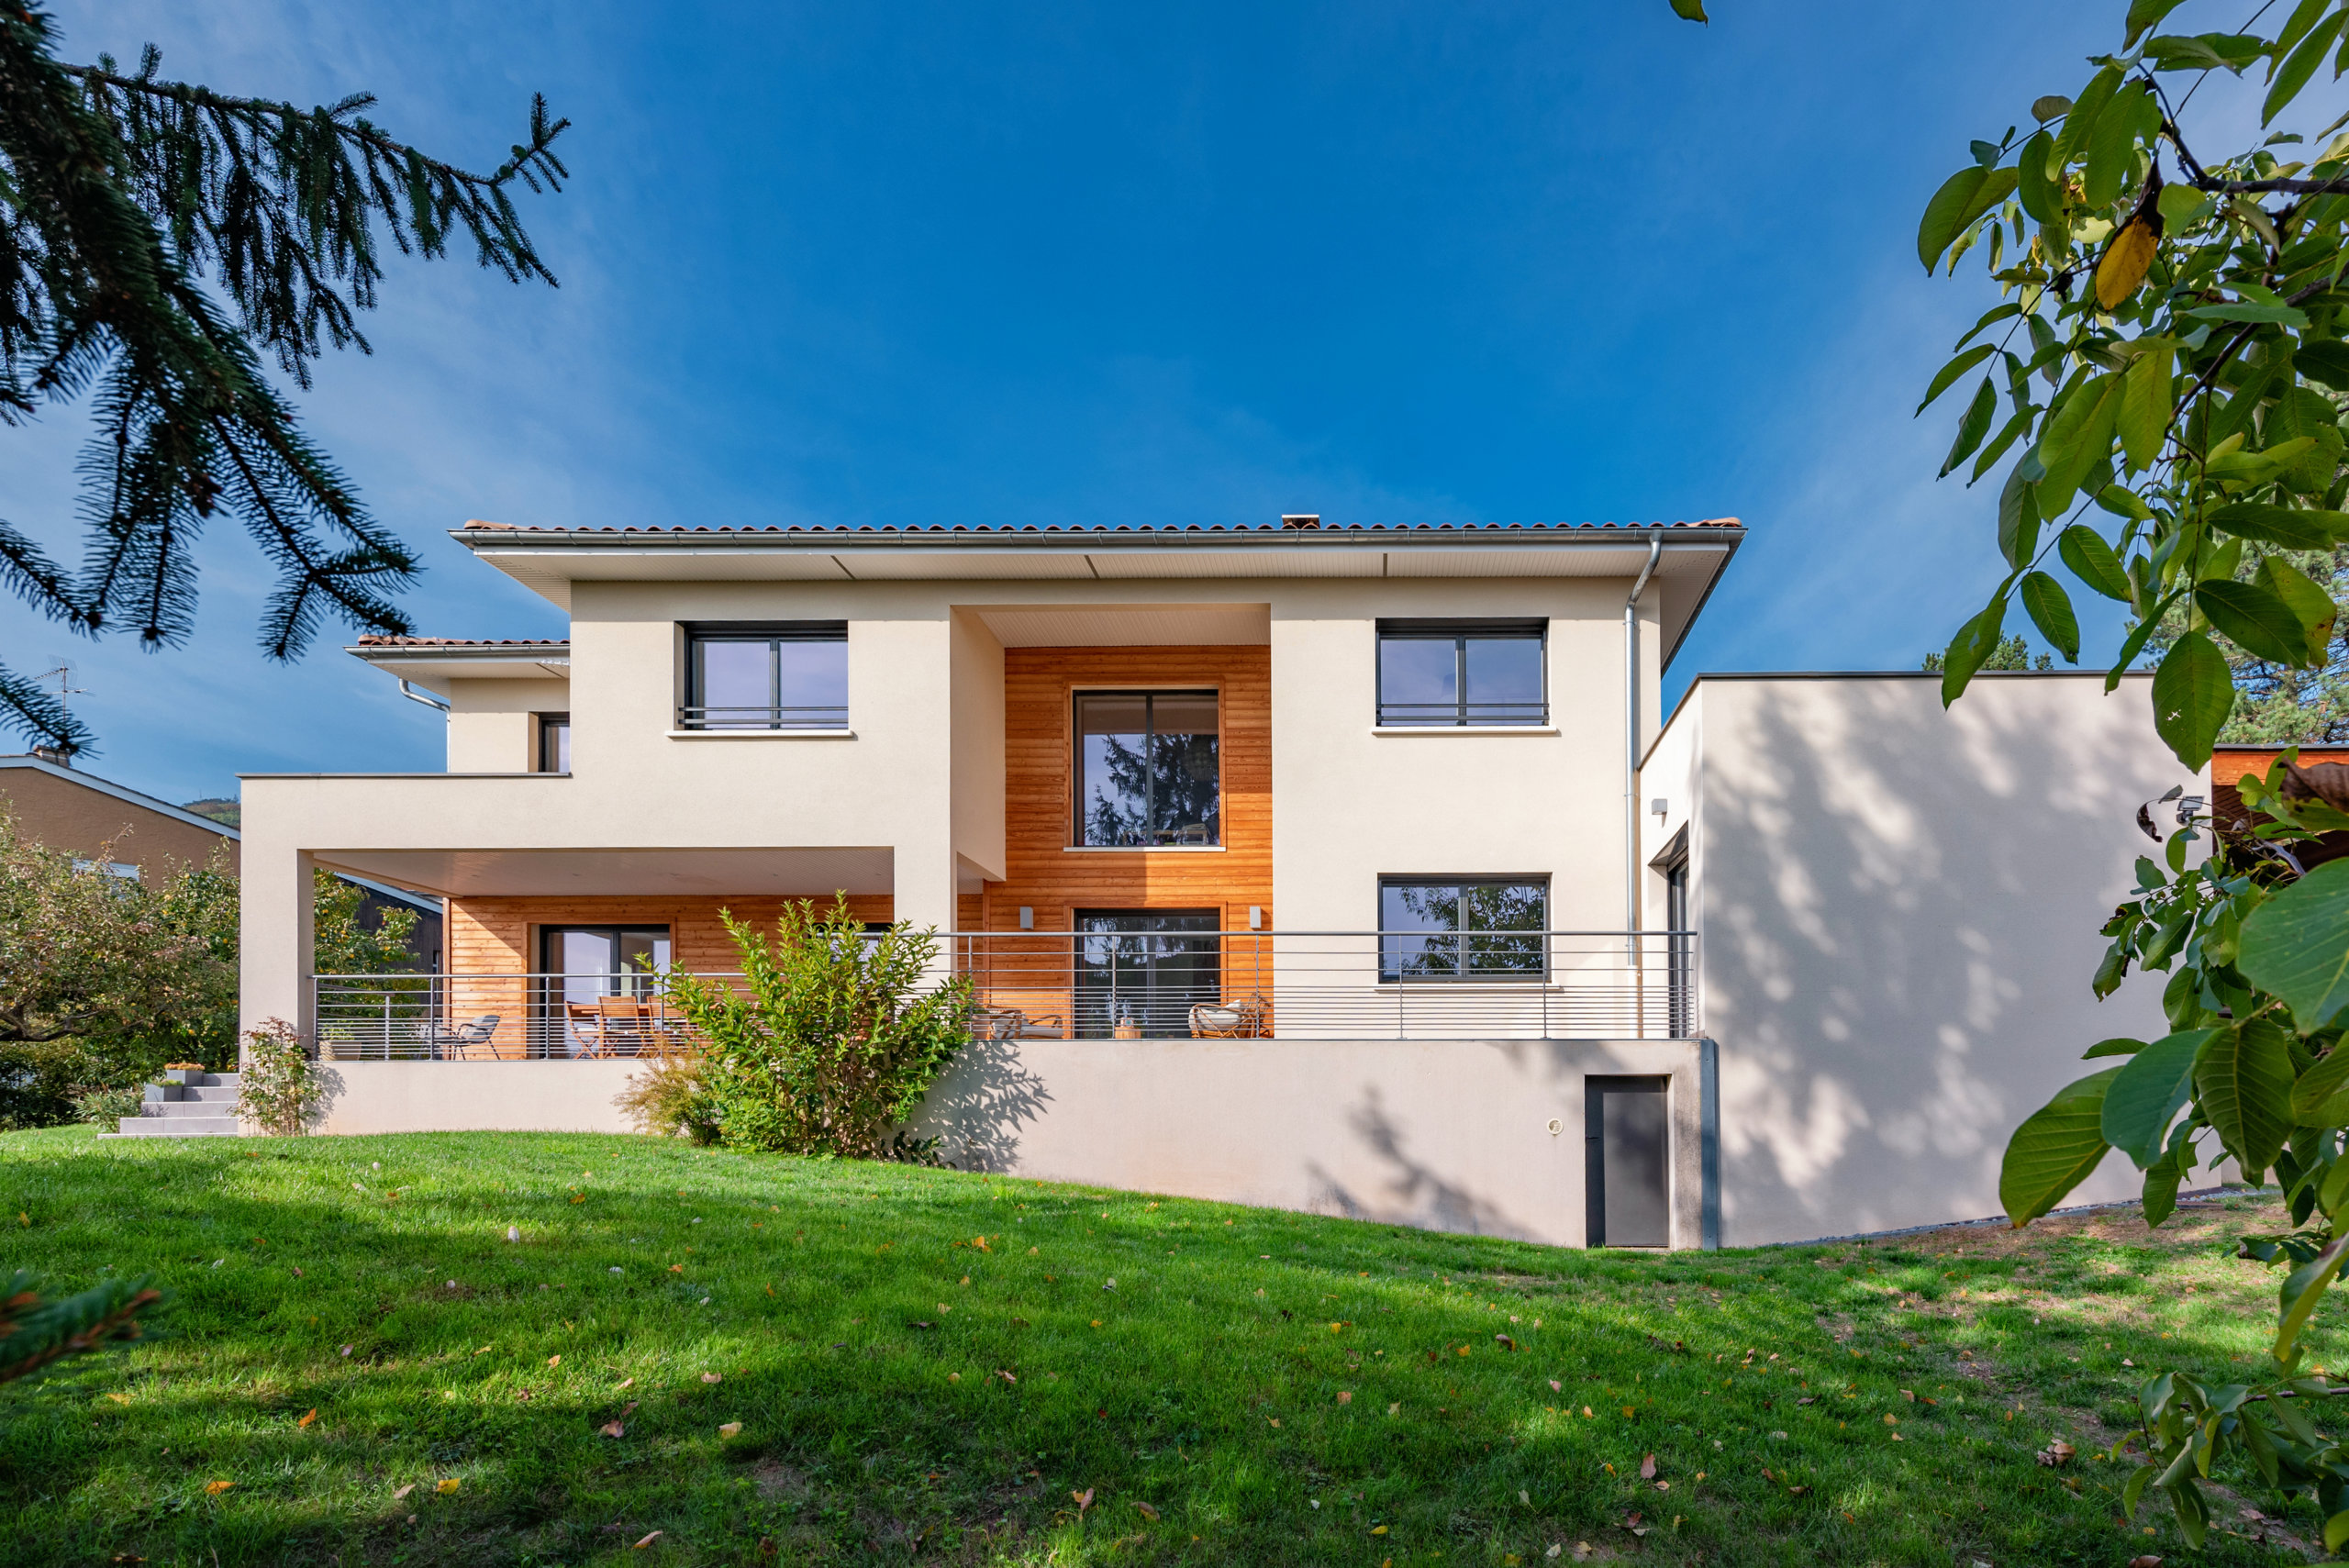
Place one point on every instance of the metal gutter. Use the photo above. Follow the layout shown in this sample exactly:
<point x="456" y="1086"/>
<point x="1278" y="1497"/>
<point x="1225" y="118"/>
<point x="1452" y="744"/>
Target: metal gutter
<point x="1631" y="737"/>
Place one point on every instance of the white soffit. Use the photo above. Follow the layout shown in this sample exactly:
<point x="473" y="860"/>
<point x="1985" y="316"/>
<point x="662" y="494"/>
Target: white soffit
<point x="1126" y="626"/>
<point x="1125" y="564"/>
<point x="1507" y="561"/>
<point x="586" y="873"/>
<point x="488" y="667"/>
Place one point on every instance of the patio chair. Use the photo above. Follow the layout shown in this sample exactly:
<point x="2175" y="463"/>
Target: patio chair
<point x="615" y="1025"/>
<point x="450" y="1045"/>
<point x="1010" y="1023"/>
<point x="1229" y="1020"/>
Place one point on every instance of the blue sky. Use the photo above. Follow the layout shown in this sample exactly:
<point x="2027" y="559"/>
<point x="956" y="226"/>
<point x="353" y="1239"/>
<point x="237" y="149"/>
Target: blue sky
<point x="1532" y="260"/>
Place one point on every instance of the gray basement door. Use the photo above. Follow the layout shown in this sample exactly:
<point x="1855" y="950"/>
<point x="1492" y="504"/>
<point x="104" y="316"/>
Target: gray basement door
<point x="1627" y="1180"/>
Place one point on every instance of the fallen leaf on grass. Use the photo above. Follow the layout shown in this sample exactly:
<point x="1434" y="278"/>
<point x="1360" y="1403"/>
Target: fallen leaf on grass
<point x="554" y="1361"/>
<point x="2056" y="1453"/>
<point x="119" y="1398"/>
<point x="402" y="1491"/>
<point x="1647" y="1468"/>
<point x="626" y="1383"/>
<point x="713" y="1377"/>
<point x="1345" y="1396"/>
<point x="613" y="1429"/>
<point x="214" y="1488"/>
<point x="1146" y="1511"/>
<point x="648" y="1540"/>
<point x="730" y="1429"/>
<point x="447" y="1486"/>
<point x="1084" y="1500"/>
<point x="307" y="1420"/>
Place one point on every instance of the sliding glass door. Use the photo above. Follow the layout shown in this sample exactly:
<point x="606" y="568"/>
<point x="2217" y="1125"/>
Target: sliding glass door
<point x="584" y="964"/>
<point x="1140" y="971"/>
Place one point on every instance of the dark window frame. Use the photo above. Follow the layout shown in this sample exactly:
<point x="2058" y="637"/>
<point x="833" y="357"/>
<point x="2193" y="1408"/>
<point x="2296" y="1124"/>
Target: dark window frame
<point x="1460" y="633"/>
<point x="1391" y="967"/>
<point x="694" y="712"/>
<point x="1076" y="758"/>
<point x="551" y="752"/>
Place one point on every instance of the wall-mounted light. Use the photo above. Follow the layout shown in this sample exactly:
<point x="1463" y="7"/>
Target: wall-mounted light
<point x="1255" y="916"/>
<point x="1027" y="918"/>
<point x="1660" y="805"/>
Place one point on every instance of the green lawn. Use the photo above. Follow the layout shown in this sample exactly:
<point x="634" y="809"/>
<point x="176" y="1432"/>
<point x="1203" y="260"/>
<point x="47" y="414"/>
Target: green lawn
<point x="926" y="1365"/>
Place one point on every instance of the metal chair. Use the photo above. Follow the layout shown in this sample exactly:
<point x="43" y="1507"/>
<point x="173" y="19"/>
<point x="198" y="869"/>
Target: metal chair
<point x="450" y="1045"/>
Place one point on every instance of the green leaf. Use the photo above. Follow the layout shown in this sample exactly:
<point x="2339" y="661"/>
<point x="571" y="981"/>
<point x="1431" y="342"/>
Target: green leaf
<point x="2041" y="197"/>
<point x="2113" y="146"/>
<point x="2247" y="310"/>
<point x="2081" y="121"/>
<point x="2152" y="1087"/>
<point x="2300" y="66"/>
<point x="2336" y="1531"/>
<point x="2294" y="528"/>
<point x="2254" y="620"/>
<point x="2321" y="1097"/>
<point x="2144" y="14"/>
<point x="2243" y="1083"/>
<point x="1964" y="197"/>
<point x="2145" y="403"/>
<point x="2303" y="414"/>
<point x="2311" y="603"/>
<point x="2051" y="611"/>
<point x="2092" y="562"/>
<point x="1971" y="429"/>
<point x="1990" y="318"/>
<point x="1952" y="371"/>
<point x="2324" y="360"/>
<point x="2078" y="434"/>
<point x="2159" y="1197"/>
<point x="1973" y="644"/>
<point x="2002" y="440"/>
<point x="2120" y="1045"/>
<point x="2055" y="1149"/>
<point x="2193" y="692"/>
<point x="2296" y="946"/>
<point x="2135" y="643"/>
<point x="2018" y="518"/>
<point x="1690" y="10"/>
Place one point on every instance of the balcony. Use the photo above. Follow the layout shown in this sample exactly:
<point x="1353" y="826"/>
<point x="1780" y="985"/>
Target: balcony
<point x="1108" y="986"/>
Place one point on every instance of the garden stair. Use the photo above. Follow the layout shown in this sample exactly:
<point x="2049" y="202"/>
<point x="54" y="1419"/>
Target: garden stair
<point x="202" y="1106"/>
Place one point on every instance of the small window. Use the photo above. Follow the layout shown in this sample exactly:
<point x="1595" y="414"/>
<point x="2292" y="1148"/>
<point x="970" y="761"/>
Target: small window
<point x="1462" y="928"/>
<point x="1461" y="672"/>
<point x="1148" y="770"/>
<point x="766" y="676"/>
<point x="554" y="742"/>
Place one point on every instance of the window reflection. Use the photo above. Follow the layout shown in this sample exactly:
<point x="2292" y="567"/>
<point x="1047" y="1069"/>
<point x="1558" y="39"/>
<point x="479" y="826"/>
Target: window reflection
<point x="1444" y="929"/>
<point x="1149" y="772"/>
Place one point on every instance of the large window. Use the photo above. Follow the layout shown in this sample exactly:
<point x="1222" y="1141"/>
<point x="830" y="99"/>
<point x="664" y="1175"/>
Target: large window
<point x="1148" y="770"/>
<point x="1140" y="971"/>
<point x="1462" y="928"/>
<point x="1461" y="672"/>
<point x="585" y="971"/>
<point x="766" y="676"/>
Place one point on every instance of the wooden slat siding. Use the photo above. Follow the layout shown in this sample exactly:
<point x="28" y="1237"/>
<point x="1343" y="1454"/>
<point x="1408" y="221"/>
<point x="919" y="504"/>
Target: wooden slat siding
<point x="499" y="936"/>
<point x="1039" y="807"/>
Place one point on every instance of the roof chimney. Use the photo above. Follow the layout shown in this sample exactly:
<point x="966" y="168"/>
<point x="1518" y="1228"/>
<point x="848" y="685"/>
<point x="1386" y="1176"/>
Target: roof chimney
<point x="1300" y="519"/>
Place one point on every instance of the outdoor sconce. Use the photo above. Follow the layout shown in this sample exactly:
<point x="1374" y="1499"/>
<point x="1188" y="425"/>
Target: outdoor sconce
<point x="1027" y="918"/>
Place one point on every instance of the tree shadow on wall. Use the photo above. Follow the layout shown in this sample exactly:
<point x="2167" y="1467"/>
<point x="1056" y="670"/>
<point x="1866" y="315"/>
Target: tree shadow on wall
<point x="981" y="1104"/>
<point x="1414" y="1193"/>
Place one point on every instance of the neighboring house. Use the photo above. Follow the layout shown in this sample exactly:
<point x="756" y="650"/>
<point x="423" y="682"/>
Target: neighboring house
<point x="1293" y="864"/>
<point x="87" y="816"/>
<point x="68" y="810"/>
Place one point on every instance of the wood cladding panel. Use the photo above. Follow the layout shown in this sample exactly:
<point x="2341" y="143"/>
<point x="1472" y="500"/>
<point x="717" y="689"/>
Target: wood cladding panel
<point x="1041" y="871"/>
<point x="498" y="936"/>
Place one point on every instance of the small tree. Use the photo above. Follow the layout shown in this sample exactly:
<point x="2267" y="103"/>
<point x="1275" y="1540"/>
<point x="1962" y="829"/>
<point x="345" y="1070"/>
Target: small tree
<point x="278" y="1088"/>
<point x="834" y="1039"/>
<point x="341" y="942"/>
<point x="103" y="978"/>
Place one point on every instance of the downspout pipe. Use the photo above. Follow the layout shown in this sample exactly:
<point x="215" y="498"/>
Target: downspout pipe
<point x="426" y="698"/>
<point x="1631" y="737"/>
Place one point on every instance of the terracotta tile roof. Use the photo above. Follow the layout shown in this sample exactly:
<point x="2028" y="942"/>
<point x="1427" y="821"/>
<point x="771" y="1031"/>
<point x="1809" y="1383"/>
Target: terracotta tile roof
<point x="1324" y="529"/>
<point x="373" y="642"/>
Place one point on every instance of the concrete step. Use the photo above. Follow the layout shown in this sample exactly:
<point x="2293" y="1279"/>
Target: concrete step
<point x="183" y="1110"/>
<point x="176" y="1126"/>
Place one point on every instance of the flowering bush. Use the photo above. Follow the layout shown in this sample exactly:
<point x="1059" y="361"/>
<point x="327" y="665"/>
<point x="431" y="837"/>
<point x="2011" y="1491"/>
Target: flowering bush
<point x="279" y="1090"/>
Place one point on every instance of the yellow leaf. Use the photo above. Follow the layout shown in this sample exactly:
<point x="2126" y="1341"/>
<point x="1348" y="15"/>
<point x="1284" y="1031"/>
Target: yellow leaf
<point x="1275" y="1420"/>
<point x="656" y="1534"/>
<point x="729" y="1430"/>
<point x="214" y="1488"/>
<point x="2125" y="261"/>
<point x="447" y="1486"/>
<point x="1378" y="1530"/>
<point x="554" y="1361"/>
<point x="307" y="1420"/>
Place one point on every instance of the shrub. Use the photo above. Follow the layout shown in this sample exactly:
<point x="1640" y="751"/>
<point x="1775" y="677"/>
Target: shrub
<point x="279" y="1089"/>
<point x="107" y="1106"/>
<point x="671" y="1098"/>
<point x="834" y="1039"/>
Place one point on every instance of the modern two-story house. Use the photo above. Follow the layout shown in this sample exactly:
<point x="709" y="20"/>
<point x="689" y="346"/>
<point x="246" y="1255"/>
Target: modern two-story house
<point x="1289" y="863"/>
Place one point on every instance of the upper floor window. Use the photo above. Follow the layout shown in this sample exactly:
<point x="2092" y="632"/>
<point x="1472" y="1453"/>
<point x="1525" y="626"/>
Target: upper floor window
<point x="1461" y="672"/>
<point x="1148" y="770"/>
<point x="554" y="742"/>
<point x="766" y="676"/>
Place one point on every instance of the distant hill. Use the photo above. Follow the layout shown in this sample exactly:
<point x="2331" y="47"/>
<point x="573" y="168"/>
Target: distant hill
<point x="224" y="812"/>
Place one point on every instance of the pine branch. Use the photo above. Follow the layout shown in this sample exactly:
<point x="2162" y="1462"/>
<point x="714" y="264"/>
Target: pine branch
<point x="41" y="715"/>
<point x="33" y="1333"/>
